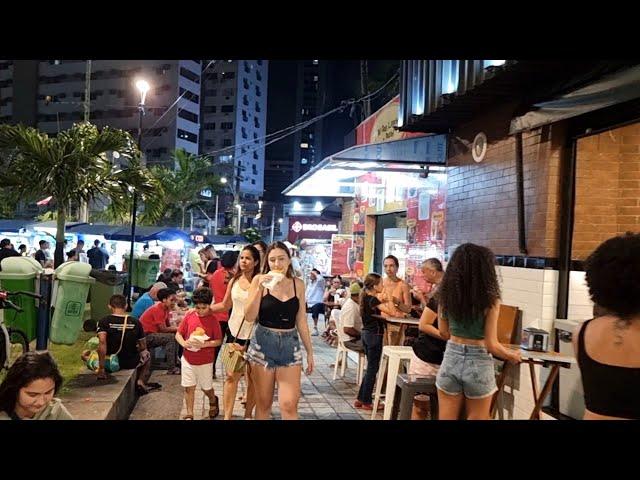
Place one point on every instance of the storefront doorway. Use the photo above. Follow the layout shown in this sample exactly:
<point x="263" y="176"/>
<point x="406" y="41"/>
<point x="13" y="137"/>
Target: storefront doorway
<point x="390" y="239"/>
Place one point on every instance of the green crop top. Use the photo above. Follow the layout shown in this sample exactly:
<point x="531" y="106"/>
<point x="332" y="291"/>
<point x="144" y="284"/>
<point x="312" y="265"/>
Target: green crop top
<point x="472" y="331"/>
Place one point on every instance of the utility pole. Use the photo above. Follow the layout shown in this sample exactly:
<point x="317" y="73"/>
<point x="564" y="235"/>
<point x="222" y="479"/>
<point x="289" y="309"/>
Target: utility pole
<point x="237" y="194"/>
<point x="84" y="208"/>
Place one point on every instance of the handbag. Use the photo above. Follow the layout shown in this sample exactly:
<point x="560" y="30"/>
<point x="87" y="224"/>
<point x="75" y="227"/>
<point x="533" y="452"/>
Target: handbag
<point x="111" y="362"/>
<point x="232" y="359"/>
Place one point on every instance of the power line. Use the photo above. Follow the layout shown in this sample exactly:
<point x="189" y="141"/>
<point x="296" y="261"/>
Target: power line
<point x="301" y="125"/>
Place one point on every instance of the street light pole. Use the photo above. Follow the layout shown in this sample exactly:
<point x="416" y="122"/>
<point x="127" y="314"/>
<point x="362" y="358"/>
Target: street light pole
<point x="273" y="221"/>
<point x="143" y="87"/>
<point x="239" y="207"/>
<point x="215" y="232"/>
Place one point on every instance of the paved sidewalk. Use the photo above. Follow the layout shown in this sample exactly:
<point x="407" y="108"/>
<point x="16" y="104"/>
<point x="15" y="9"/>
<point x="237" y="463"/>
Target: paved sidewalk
<point x="322" y="398"/>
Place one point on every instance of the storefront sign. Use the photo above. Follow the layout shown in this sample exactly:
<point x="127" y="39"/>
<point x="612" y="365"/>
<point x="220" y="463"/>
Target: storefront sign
<point x="311" y="227"/>
<point x="381" y="126"/>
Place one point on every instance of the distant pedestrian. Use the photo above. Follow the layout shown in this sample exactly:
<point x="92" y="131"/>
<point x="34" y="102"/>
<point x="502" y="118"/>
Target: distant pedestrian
<point x="98" y="257"/>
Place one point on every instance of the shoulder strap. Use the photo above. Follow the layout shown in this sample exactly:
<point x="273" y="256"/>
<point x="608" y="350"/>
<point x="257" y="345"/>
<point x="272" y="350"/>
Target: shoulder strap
<point x="124" y="330"/>
<point x="295" y="292"/>
<point x="581" y="349"/>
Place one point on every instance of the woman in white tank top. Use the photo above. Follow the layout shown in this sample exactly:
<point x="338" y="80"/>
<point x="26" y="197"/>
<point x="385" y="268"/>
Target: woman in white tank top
<point x="236" y="298"/>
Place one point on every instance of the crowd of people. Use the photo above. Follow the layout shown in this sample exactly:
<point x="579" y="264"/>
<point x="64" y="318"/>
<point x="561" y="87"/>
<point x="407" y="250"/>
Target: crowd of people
<point x="254" y="301"/>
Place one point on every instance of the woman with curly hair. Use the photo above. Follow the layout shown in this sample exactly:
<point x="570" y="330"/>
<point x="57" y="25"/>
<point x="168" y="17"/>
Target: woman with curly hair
<point x="27" y="392"/>
<point x="469" y="304"/>
<point x="608" y="347"/>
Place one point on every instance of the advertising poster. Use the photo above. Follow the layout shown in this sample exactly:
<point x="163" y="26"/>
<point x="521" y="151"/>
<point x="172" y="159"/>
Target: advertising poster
<point x="315" y="254"/>
<point x="342" y="255"/>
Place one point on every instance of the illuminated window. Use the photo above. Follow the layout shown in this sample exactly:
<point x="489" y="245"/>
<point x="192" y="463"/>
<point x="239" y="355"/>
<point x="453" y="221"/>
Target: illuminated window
<point x="493" y="63"/>
<point x="449" y="76"/>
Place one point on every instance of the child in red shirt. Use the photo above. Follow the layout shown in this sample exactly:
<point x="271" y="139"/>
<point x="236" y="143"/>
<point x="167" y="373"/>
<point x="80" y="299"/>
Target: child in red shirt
<point x="197" y="366"/>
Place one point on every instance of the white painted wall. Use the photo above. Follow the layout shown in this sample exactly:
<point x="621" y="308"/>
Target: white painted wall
<point x="534" y="292"/>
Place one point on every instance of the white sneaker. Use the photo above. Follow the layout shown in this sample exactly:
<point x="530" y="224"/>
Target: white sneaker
<point x="315" y="332"/>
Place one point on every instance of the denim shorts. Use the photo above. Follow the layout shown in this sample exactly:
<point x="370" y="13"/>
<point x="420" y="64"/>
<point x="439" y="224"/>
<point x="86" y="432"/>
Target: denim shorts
<point x="274" y="348"/>
<point x="468" y="370"/>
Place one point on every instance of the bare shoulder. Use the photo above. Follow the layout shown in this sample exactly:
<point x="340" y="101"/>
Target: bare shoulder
<point x="299" y="283"/>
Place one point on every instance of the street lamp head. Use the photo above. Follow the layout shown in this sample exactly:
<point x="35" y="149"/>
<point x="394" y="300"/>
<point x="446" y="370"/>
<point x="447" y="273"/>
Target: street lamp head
<point x="239" y="207"/>
<point x="260" y="204"/>
<point x="223" y="180"/>
<point x="143" y="87"/>
<point x="280" y="220"/>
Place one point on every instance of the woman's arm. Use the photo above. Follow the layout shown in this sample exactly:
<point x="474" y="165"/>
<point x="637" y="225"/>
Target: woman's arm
<point x="443" y="325"/>
<point x="303" y="326"/>
<point x="491" y="337"/>
<point x="226" y="302"/>
<point x="325" y="297"/>
<point x="255" y="294"/>
<point x="426" y="324"/>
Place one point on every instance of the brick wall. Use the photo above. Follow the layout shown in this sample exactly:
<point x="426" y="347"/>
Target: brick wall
<point x="607" y="188"/>
<point x="481" y="197"/>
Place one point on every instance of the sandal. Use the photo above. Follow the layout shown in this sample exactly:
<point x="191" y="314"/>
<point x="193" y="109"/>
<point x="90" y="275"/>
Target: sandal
<point x="214" y="409"/>
<point x="174" y="371"/>
<point x="187" y="417"/>
<point x="140" y="390"/>
<point x="153" y="386"/>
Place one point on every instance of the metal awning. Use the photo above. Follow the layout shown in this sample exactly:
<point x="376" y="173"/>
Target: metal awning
<point x="610" y="90"/>
<point x="148" y="234"/>
<point x="336" y="175"/>
<point x="94" y="228"/>
<point x="14" y="226"/>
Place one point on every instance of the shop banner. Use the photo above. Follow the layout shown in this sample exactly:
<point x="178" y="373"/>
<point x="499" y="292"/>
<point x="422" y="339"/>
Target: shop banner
<point x="342" y="255"/>
<point x="381" y="126"/>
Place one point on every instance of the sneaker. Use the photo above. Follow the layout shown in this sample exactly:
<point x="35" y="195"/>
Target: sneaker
<point x="315" y="332"/>
<point x="369" y="406"/>
<point x="358" y="404"/>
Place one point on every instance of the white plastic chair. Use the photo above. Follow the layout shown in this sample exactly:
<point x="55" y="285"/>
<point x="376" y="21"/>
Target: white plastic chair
<point x="393" y="356"/>
<point x="342" y="354"/>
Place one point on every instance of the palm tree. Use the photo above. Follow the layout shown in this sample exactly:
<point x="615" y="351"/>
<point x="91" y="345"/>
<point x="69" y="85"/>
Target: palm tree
<point x="182" y="186"/>
<point x="71" y="167"/>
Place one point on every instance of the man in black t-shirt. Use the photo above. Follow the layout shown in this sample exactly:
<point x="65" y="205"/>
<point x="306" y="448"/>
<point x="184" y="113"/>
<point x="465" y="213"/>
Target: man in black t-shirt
<point x="41" y="256"/>
<point x="98" y="257"/>
<point x="133" y="353"/>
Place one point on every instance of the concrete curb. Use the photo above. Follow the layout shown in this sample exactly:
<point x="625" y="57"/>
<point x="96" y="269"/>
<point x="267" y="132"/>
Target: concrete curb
<point x="93" y="399"/>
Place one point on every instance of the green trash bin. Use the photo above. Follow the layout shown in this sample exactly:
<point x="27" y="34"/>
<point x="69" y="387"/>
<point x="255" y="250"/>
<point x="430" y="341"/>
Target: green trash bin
<point x="21" y="273"/>
<point x="70" y="290"/>
<point x="107" y="283"/>
<point x="146" y="268"/>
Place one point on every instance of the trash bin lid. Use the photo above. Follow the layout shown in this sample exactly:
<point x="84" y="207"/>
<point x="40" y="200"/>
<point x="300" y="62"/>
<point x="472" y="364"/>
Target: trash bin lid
<point x="142" y="256"/>
<point x="75" y="271"/>
<point x="109" y="277"/>
<point x="20" y="268"/>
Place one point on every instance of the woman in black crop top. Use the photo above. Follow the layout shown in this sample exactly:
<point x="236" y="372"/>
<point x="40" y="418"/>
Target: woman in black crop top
<point x="608" y="347"/>
<point x="275" y="344"/>
<point x="372" y="331"/>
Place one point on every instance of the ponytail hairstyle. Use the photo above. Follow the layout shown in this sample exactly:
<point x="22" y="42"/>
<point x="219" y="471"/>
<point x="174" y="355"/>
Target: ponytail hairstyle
<point x="370" y="281"/>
